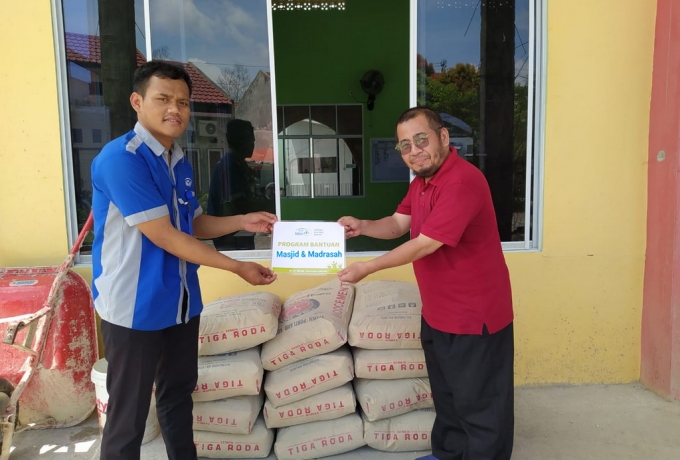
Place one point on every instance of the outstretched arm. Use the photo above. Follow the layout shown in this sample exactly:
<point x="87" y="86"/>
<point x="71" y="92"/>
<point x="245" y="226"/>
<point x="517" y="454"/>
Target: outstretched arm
<point x="401" y="255"/>
<point x="162" y="233"/>
<point x="206" y="226"/>
<point x="386" y="228"/>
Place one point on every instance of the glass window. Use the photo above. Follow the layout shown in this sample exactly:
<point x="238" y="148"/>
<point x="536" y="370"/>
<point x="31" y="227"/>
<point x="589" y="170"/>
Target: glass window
<point x="317" y="160"/>
<point x="224" y="47"/>
<point x="476" y="67"/>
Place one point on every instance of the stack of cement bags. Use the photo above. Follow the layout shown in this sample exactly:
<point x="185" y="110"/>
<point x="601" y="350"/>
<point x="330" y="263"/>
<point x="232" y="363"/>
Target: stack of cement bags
<point x="391" y="387"/>
<point x="309" y="396"/>
<point x="228" y="396"/>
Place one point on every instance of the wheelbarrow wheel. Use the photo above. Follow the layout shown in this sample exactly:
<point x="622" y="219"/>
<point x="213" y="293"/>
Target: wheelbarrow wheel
<point x="6" y="389"/>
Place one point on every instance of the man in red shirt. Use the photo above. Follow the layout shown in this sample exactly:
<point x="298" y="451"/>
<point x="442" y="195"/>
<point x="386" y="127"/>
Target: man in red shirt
<point x="466" y="328"/>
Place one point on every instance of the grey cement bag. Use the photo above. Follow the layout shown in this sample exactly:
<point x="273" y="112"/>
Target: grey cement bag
<point x="257" y="444"/>
<point x="389" y="364"/>
<point x="234" y="415"/>
<point x="381" y="399"/>
<point x="328" y="405"/>
<point x="319" y="439"/>
<point x="232" y="374"/>
<point x="312" y="322"/>
<point x="406" y="432"/>
<point x="386" y="315"/>
<point x="308" y="377"/>
<point x="238" y="322"/>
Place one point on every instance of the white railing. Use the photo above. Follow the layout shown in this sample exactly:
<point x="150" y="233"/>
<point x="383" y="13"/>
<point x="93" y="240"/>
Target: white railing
<point x="320" y="190"/>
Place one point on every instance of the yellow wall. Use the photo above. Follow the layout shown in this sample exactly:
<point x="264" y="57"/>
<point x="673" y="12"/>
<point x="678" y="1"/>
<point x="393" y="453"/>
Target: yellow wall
<point x="32" y="211"/>
<point x="577" y="301"/>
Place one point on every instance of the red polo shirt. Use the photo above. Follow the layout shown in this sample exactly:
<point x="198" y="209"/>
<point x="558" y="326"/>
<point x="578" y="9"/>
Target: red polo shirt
<point x="465" y="283"/>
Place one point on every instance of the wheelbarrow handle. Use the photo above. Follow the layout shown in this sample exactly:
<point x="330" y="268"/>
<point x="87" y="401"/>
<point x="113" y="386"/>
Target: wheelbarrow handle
<point x="66" y="264"/>
<point x="83" y="233"/>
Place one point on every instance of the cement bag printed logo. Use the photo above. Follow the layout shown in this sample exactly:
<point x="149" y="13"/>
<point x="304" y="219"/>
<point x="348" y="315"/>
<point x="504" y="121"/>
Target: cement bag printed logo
<point x="298" y="308"/>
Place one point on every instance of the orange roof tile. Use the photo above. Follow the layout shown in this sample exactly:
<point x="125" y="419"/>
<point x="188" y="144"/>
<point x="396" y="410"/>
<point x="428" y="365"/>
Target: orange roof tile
<point x="263" y="155"/>
<point x="87" y="49"/>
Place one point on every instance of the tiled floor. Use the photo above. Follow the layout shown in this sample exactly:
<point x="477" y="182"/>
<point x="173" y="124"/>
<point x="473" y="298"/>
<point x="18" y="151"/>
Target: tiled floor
<point x="590" y="422"/>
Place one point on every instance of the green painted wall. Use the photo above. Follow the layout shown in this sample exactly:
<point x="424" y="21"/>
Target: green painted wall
<point x="320" y="57"/>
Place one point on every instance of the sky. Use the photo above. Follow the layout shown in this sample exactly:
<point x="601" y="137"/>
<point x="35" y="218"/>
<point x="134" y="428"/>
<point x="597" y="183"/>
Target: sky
<point x="449" y="30"/>
<point x="218" y="34"/>
<point x="215" y="34"/>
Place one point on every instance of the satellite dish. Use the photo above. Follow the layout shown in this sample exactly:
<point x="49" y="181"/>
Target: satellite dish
<point x="372" y="82"/>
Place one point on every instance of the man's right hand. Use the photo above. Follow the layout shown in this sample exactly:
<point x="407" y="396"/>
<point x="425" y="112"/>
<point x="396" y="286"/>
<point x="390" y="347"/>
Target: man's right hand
<point x="255" y="274"/>
<point x="353" y="226"/>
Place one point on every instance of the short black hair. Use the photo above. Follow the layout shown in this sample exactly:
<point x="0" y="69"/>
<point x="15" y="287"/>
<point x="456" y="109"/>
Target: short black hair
<point x="434" y="120"/>
<point x="160" y="69"/>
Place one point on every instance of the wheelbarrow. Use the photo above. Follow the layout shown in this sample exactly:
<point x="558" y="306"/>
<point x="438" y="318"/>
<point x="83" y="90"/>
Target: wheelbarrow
<point x="49" y="345"/>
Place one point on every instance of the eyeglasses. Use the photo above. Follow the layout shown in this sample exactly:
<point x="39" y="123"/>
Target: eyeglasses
<point x="420" y="140"/>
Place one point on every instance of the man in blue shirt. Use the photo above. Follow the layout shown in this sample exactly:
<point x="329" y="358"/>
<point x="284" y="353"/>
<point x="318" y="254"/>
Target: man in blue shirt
<point x="145" y="258"/>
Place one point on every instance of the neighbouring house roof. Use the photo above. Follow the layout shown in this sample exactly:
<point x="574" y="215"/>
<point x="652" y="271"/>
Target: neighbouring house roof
<point x="263" y="155"/>
<point x="204" y="90"/>
<point x="86" y="49"/>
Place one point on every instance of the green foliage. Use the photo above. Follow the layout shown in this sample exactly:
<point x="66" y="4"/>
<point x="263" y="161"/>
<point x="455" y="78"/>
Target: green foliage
<point x="421" y="63"/>
<point x="456" y="92"/>
<point x="82" y="215"/>
<point x="203" y="201"/>
<point x="446" y="97"/>
<point x="463" y="76"/>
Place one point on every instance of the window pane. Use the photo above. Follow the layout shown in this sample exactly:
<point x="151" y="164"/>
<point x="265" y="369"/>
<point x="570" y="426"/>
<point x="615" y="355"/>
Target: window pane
<point x="350" y="119"/>
<point x="325" y="176"/>
<point x="333" y="167"/>
<point x="97" y="72"/>
<point x="296" y="167"/>
<point x="223" y="45"/>
<point x="351" y="152"/>
<point x="473" y="68"/>
<point x="296" y="120"/>
<point x="323" y="117"/>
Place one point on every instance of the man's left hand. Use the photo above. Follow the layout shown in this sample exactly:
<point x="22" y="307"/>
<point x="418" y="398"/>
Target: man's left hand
<point x="259" y="222"/>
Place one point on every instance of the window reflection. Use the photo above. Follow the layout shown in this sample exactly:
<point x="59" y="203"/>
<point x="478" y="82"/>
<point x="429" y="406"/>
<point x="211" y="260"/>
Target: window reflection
<point x="237" y="185"/>
<point x="223" y="45"/>
<point x="473" y="68"/>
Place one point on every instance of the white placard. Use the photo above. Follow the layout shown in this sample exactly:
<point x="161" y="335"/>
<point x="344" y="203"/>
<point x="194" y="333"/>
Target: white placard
<point x="308" y="248"/>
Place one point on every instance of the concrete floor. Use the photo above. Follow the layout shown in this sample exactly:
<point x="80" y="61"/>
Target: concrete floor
<point x="598" y="422"/>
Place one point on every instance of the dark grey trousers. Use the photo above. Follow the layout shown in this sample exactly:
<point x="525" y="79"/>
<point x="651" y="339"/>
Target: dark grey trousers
<point x="137" y="359"/>
<point x="473" y="391"/>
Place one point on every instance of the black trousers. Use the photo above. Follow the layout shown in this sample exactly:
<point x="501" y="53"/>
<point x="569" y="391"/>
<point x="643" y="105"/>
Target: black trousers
<point x="473" y="392"/>
<point x="137" y="359"/>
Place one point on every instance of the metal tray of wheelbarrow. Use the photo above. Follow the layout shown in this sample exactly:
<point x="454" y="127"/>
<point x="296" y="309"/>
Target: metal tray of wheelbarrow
<point x="49" y="342"/>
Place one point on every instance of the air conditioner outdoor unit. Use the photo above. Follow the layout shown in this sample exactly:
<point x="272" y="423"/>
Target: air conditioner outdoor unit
<point x="207" y="128"/>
